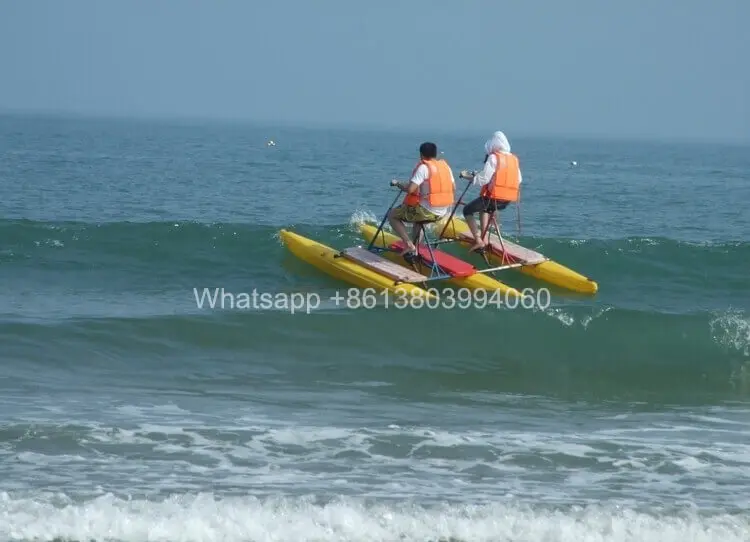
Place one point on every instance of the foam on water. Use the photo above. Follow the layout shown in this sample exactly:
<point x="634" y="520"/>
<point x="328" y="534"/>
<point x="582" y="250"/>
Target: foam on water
<point x="731" y="329"/>
<point x="204" y="518"/>
<point x="632" y="458"/>
<point x="364" y="216"/>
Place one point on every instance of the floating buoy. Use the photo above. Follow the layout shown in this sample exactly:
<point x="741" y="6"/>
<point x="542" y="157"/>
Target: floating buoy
<point x="271" y="143"/>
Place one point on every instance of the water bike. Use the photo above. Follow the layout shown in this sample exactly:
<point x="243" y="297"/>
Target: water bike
<point x="381" y="265"/>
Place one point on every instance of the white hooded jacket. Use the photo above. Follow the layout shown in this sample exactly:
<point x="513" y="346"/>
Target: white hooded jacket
<point x="497" y="143"/>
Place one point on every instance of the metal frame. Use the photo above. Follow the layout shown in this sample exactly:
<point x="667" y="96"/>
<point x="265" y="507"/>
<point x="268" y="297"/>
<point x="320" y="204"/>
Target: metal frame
<point x="436" y="271"/>
<point x="492" y="221"/>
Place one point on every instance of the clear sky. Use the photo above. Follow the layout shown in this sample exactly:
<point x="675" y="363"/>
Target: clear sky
<point x="653" y="68"/>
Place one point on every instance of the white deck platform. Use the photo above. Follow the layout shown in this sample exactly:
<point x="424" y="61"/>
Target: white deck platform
<point x="516" y="252"/>
<point x="380" y="265"/>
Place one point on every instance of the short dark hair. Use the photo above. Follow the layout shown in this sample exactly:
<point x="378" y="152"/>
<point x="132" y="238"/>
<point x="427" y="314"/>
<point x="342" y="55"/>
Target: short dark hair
<point x="428" y="150"/>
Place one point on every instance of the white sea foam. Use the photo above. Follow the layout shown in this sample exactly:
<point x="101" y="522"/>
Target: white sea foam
<point x="50" y="243"/>
<point x="640" y="457"/>
<point x="559" y="314"/>
<point x="204" y="518"/>
<point x="731" y="330"/>
<point x="362" y="216"/>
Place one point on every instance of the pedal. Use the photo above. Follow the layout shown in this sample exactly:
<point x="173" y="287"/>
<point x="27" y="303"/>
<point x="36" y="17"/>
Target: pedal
<point x="413" y="258"/>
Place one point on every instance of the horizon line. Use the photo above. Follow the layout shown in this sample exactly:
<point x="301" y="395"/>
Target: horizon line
<point x="386" y="128"/>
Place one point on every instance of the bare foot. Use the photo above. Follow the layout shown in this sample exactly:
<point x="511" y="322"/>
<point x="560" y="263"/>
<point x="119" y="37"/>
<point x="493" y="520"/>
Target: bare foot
<point x="409" y="248"/>
<point x="478" y="245"/>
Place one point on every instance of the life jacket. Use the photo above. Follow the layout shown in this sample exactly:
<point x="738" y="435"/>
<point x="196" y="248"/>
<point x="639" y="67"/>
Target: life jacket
<point x="440" y="190"/>
<point x="504" y="183"/>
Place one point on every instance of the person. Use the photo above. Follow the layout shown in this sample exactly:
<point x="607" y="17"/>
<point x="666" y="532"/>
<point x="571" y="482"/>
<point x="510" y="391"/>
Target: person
<point x="429" y="196"/>
<point x="500" y="180"/>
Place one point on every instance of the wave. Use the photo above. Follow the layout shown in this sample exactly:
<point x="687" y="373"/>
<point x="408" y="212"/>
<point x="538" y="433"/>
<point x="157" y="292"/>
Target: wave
<point x="195" y="245"/>
<point x="599" y="352"/>
<point x="203" y="516"/>
<point x="23" y="232"/>
<point x="669" y="316"/>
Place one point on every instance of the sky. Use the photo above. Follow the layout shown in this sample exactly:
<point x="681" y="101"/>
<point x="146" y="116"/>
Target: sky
<point x="663" y="69"/>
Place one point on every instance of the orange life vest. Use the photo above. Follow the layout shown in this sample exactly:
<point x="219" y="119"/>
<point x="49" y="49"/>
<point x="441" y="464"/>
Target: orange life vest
<point x="439" y="185"/>
<point x="504" y="183"/>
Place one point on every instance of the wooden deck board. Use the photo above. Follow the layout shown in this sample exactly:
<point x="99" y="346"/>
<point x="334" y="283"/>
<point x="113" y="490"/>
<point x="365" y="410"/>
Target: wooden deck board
<point x="515" y="252"/>
<point x="380" y="265"/>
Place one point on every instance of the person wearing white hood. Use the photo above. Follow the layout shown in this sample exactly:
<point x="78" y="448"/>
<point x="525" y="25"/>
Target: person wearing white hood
<point x="500" y="180"/>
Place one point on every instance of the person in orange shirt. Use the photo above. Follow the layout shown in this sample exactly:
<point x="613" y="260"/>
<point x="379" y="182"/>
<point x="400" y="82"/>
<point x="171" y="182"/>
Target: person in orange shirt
<point x="500" y="180"/>
<point x="429" y="195"/>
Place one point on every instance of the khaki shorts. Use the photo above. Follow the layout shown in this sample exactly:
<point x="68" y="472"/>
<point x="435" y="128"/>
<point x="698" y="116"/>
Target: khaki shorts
<point x="416" y="213"/>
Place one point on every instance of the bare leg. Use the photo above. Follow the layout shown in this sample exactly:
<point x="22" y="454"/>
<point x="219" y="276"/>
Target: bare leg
<point x="469" y="211"/>
<point x="400" y="229"/>
<point x="485" y="220"/>
<point x="472" y="223"/>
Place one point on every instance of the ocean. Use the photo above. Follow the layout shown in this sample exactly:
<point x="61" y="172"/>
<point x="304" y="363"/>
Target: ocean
<point x="128" y="412"/>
